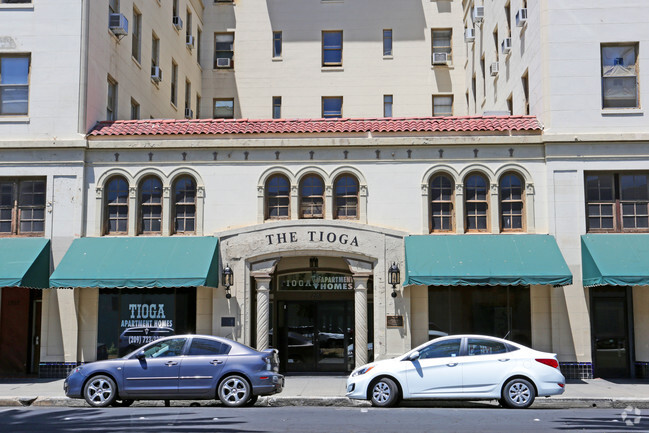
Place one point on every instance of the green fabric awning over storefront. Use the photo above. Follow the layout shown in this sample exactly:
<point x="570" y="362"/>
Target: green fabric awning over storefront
<point x="484" y="260"/>
<point x="615" y="259"/>
<point x="24" y="262"/>
<point x="144" y="262"/>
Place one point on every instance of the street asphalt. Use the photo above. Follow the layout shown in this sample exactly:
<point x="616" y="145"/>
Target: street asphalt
<point x="330" y="391"/>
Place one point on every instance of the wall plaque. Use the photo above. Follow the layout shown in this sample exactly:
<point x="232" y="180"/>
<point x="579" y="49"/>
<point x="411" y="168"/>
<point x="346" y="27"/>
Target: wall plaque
<point x="395" y="321"/>
<point x="227" y="321"/>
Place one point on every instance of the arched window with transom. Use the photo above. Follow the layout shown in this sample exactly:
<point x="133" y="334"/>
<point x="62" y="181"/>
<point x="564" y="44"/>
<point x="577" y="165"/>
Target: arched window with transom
<point x="346" y="197"/>
<point x="312" y="197"/>
<point x="150" y="205"/>
<point x="511" y="203"/>
<point x="116" y="206"/>
<point x="476" y="205"/>
<point x="441" y="203"/>
<point x="184" y="205"/>
<point x="278" y="197"/>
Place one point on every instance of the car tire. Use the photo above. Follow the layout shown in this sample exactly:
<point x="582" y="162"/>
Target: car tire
<point x="122" y="403"/>
<point x="518" y="393"/>
<point x="251" y="401"/>
<point x="100" y="391"/>
<point x="234" y="391"/>
<point x="385" y="393"/>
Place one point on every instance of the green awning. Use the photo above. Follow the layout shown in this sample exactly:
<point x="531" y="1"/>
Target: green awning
<point x="615" y="259"/>
<point x="24" y="262"/>
<point x="139" y="262"/>
<point x="484" y="260"/>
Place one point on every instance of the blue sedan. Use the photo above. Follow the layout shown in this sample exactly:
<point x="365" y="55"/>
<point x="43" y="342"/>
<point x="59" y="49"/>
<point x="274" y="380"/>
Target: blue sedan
<point x="187" y="367"/>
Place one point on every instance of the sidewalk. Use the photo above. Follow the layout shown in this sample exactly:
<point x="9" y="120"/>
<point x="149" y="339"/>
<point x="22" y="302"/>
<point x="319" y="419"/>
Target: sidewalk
<point x="330" y="391"/>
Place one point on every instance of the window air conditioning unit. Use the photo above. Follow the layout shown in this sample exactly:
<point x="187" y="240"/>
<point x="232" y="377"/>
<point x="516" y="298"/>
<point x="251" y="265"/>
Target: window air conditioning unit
<point x="494" y="69"/>
<point x="190" y="41"/>
<point x="440" y="58"/>
<point x="118" y="24"/>
<point x="469" y="35"/>
<point x="521" y="17"/>
<point x="506" y="45"/>
<point x="478" y="14"/>
<point x="177" y="22"/>
<point x="189" y="113"/>
<point x="156" y="74"/>
<point x="223" y="62"/>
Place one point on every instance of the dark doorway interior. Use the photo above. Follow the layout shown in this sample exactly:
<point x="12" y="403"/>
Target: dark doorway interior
<point x="19" y="331"/>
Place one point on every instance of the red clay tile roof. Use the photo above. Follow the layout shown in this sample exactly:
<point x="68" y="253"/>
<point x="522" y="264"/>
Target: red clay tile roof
<point x="284" y="126"/>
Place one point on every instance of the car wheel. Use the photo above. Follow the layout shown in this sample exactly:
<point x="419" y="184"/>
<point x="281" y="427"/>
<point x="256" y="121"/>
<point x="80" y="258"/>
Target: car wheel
<point x="385" y="393"/>
<point x="122" y="403"/>
<point x="252" y="400"/>
<point x="234" y="391"/>
<point x="518" y="394"/>
<point x="100" y="391"/>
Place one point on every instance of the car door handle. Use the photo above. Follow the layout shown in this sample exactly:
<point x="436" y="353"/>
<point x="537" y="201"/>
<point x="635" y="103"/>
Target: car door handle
<point x="216" y="362"/>
<point x="171" y="363"/>
<point x="453" y="364"/>
<point x="503" y="359"/>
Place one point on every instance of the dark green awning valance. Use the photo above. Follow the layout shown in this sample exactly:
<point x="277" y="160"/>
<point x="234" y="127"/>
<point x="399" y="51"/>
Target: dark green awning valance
<point x="139" y="262"/>
<point x="615" y="259"/>
<point x="475" y="260"/>
<point x="24" y="262"/>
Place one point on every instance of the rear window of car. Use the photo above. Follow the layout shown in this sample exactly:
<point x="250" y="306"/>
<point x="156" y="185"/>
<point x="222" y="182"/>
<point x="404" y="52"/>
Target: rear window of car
<point x="478" y="346"/>
<point x="203" y="346"/>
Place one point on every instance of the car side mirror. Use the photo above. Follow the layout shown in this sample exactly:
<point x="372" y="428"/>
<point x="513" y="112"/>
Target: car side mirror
<point x="413" y="356"/>
<point x="140" y="355"/>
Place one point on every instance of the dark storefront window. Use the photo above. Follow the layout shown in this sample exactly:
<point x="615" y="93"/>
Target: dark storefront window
<point x="130" y="318"/>
<point x="493" y="310"/>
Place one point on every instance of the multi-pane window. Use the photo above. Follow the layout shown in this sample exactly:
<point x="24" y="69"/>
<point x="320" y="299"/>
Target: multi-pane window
<point x="135" y="109"/>
<point x="223" y="50"/>
<point x="111" y="100"/>
<point x="387" y="42"/>
<point x="441" y="204"/>
<point x="511" y="202"/>
<point x="311" y="197"/>
<point x="14" y="84"/>
<point x="136" y="34"/>
<point x="346" y="197"/>
<point x="475" y="203"/>
<point x="223" y="108"/>
<point x="620" y="76"/>
<point x="184" y="205"/>
<point x="617" y="202"/>
<point x="277" y="44"/>
<point x="151" y="205"/>
<point x="441" y="41"/>
<point x="277" y="107"/>
<point x="332" y="107"/>
<point x="442" y="105"/>
<point x="278" y="198"/>
<point x="174" y="83"/>
<point x="332" y="48"/>
<point x="116" y="206"/>
<point x="387" y="105"/>
<point x="22" y="207"/>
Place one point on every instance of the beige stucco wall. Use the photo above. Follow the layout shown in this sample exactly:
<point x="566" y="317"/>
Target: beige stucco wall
<point x="418" y="314"/>
<point x="641" y="322"/>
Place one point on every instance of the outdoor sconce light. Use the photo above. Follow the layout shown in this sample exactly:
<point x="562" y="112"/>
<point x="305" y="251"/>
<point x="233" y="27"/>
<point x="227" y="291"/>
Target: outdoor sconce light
<point x="393" y="278"/>
<point x="228" y="280"/>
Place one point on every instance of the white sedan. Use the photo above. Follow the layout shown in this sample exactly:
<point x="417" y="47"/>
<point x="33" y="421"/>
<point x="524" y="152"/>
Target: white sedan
<point x="472" y="367"/>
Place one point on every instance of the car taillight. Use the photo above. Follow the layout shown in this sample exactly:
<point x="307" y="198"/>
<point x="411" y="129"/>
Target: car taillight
<point x="549" y="362"/>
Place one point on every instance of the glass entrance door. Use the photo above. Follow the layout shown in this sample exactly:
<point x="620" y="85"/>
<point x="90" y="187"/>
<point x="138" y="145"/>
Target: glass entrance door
<point x="610" y="325"/>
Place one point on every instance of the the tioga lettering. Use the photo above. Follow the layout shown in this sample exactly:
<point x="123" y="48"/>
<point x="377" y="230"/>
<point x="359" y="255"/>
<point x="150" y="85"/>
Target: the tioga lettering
<point x="313" y="236"/>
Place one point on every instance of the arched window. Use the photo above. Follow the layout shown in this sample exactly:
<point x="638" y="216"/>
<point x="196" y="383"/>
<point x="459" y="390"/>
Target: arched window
<point x="511" y="202"/>
<point x="441" y="203"/>
<point x="116" y="206"/>
<point x="475" y="203"/>
<point x="184" y="212"/>
<point x="311" y="197"/>
<point x="278" y="199"/>
<point x="346" y="197"/>
<point x="151" y="205"/>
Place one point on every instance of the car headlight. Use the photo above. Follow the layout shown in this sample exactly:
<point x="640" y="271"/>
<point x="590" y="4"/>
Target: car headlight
<point x="362" y="370"/>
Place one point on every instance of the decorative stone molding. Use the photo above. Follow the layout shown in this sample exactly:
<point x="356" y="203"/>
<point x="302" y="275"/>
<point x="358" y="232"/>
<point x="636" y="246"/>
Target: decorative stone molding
<point x="99" y="192"/>
<point x="424" y="189"/>
<point x="200" y="191"/>
<point x="132" y="192"/>
<point x="494" y="188"/>
<point x="363" y="190"/>
<point x="459" y="188"/>
<point x="166" y="191"/>
<point x="529" y="189"/>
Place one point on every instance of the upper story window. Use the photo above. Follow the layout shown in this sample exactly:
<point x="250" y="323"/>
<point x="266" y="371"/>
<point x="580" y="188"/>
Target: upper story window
<point x="116" y="206"/>
<point x="113" y="6"/>
<point x="475" y="203"/>
<point x="620" y="76"/>
<point x="312" y="197"/>
<point x="441" y="203"/>
<point x="150" y="206"/>
<point x="135" y="109"/>
<point x="174" y="82"/>
<point x="511" y="202"/>
<point x="332" y="48"/>
<point x="136" y="35"/>
<point x="387" y="105"/>
<point x="14" y="84"/>
<point x="223" y="108"/>
<point x="16" y="1"/>
<point x="277" y="107"/>
<point x="277" y="44"/>
<point x="223" y="50"/>
<point x="184" y="210"/>
<point x="346" y="197"/>
<point x="111" y="100"/>
<point x="188" y="100"/>
<point x="332" y="107"/>
<point x="617" y="202"/>
<point x="442" y="48"/>
<point x="442" y="105"/>
<point x="22" y="207"/>
<point x="278" y="199"/>
<point x="387" y="42"/>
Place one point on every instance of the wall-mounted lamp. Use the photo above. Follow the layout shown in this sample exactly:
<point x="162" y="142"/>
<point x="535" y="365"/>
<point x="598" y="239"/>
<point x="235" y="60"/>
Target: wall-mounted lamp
<point x="228" y="280"/>
<point x="394" y="278"/>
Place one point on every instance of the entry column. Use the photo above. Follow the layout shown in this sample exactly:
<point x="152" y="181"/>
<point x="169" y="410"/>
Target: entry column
<point x="261" y="272"/>
<point x="360" y="320"/>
